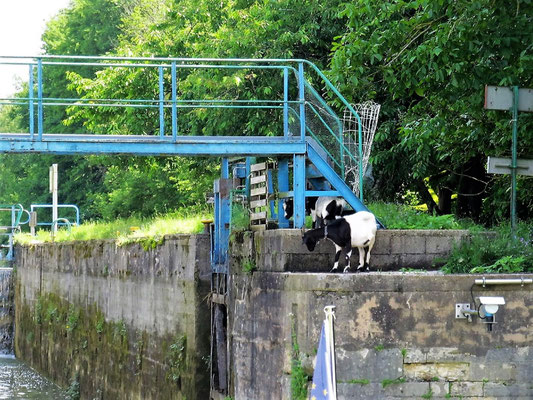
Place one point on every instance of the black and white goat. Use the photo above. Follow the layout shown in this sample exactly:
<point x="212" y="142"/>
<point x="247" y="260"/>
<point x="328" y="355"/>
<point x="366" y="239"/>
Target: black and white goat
<point x="355" y="230"/>
<point x="322" y="209"/>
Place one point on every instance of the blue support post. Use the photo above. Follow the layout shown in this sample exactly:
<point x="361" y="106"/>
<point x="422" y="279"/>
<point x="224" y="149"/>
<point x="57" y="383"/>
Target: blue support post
<point x="40" y="98"/>
<point x="299" y="190"/>
<point x="286" y="102"/>
<point x="225" y="214"/>
<point x="283" y="186"/>
<point x="174" y="102"/>
<point x="161" y="104"/>
<point x="301" y="99"/>
<point x="247" y="180"/>
<point x="30" y="95"/>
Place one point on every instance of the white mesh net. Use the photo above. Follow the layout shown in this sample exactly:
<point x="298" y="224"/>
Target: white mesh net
<point x="368" y="113"/>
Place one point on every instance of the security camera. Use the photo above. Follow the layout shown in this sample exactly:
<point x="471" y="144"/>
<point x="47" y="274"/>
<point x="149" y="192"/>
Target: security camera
<point x="490" y="305"/>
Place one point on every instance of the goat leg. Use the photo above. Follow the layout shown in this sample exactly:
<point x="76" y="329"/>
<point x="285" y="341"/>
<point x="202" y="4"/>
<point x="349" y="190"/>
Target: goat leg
<point x="338" y="250"/>
<point x="348" y="255"/>
<point x="361" y="258"/>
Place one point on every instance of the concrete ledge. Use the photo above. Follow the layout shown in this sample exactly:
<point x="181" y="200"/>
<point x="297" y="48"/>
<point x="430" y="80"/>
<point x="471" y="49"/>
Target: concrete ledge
<point x="282" y="250"/>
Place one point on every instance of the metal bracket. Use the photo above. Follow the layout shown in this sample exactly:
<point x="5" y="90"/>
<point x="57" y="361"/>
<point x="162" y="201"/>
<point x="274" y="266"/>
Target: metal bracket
<point x="459" y="308"/>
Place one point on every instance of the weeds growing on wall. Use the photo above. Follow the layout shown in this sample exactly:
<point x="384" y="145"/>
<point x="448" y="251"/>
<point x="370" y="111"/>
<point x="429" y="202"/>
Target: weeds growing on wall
<point x="298" y="376"/>
<point x="494" y="254"/>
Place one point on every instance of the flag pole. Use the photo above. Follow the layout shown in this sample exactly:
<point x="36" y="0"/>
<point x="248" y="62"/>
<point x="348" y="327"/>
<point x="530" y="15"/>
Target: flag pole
<point x="330" y="340"/>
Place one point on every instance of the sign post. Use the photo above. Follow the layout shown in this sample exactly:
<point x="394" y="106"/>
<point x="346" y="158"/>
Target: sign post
<point x="513" y="99"/>
<point x="53" y="190"/>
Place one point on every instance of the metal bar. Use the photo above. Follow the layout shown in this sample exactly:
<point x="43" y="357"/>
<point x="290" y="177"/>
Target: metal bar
<point x="299" y="190"/>
<point x="510" y="281"/>
<point x="301" y="98"/>
<point x="39" y="98"/>
<point x="161" y="104"/>
<point x="155" y="147"/>
<point x="30" y="94"/>
<point x="75" y="101"/>
<point x="513" y="161"/>
<point x="283" y="186"/>
<point x="285" y="102"/>
<point x="174" y="104"/>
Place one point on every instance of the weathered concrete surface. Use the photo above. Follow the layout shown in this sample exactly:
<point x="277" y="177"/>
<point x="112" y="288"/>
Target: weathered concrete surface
<point x="6" y="310"/>
<point x="396" y="335"/>
<point x="132" y="323"/>
<point x="282" y="250"/>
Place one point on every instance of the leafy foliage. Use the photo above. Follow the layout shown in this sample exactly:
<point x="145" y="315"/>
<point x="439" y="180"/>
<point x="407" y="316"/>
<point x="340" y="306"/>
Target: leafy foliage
<point x="427" y="63"/>
<point x="494" y="254"/>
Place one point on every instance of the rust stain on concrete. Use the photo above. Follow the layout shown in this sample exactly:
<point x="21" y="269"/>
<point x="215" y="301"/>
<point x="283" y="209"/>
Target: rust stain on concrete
<point x="364" y="326"/>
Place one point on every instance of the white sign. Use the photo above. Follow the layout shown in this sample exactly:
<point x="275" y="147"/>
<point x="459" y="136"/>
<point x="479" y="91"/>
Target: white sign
<point x="497" y="165"/>
<point x="501" y="98"/>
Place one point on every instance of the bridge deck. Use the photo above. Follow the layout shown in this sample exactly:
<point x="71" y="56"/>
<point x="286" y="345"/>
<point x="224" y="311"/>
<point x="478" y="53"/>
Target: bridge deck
<point x="152" y="145"/>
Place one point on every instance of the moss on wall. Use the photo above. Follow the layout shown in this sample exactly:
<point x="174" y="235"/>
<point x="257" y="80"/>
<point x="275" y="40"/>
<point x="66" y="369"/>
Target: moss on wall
<point x="70" y="343"/>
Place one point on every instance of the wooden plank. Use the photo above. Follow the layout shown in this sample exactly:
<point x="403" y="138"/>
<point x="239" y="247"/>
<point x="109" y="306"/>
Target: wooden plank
<point x="258" y="179"/>
<point x="258" y="191"/>
<point x="259" y="215"/>
<point x="258" y="227"/>
<point x="258" y="167"/>
<point x="258" y="203"/>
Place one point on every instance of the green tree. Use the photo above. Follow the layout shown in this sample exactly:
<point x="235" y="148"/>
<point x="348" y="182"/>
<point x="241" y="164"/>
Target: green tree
<point x="427" y="63"/>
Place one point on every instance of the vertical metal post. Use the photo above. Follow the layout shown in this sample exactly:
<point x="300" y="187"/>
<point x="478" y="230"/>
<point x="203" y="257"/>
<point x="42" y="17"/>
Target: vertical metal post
<point x="513" y="161"/>
<point x="30" y="94"/>
<point x="299" y="190"/>
<point x="161" y="104"/>
<point x="283" y="186"/>
<point x="40" y="98"/>
<point x="247" y="179"/>
<point x="53" y="190"/>
<point x="174" y="102"/>
<point x="225" y="214"/>
<point x="301" y="99"/>
<point x="360" y="156"/>
<point x="286" y="102"/>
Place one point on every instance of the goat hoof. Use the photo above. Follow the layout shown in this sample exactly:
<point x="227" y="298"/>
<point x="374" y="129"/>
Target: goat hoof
<point x="346" y="270"/>
<point x="334" y="270"/>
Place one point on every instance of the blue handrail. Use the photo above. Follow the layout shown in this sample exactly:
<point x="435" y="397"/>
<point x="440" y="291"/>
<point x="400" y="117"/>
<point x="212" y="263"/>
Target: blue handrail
<point x="300" y="68"/>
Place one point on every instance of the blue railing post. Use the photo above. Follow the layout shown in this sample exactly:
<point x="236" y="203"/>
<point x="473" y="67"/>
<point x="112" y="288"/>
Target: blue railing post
<point x="286" y="102"/>
<point x="225" y="214"/>
<point x="283" y="186"/>
<point x="174" y="102"/>
<point x="299" y="190"/>
<point x="40" y="98"/>
<point x="30" y="95"/>
<point x="161" y="104"/>
<point x="301" y="98"/>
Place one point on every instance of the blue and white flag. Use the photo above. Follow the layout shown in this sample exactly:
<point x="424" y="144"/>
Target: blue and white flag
<point x="324" y="385"/>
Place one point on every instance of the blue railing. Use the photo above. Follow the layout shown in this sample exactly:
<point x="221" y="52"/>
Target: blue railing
<point x="65" y="221"/>
<point x="297" y="108"/>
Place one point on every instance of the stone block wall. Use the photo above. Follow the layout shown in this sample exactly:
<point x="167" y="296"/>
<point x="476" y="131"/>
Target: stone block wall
<point x="396" y="332"/>
<point x="128" y="322"/>
<point x="396" y="336"/>
<point x="282" y="250"/>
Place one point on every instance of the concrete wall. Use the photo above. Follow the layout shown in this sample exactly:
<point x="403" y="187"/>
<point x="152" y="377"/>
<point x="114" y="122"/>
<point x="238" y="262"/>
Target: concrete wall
<point x="125" y="322"/>
<point x="132" y="323"/>
<point x="6" y="311"/>
<point x="396" y="333"/>
<point x="396" y="336"/>
<point x="283" y="250"/>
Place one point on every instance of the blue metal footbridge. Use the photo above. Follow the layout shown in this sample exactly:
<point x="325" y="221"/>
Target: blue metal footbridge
<point x="294" y="106"/>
